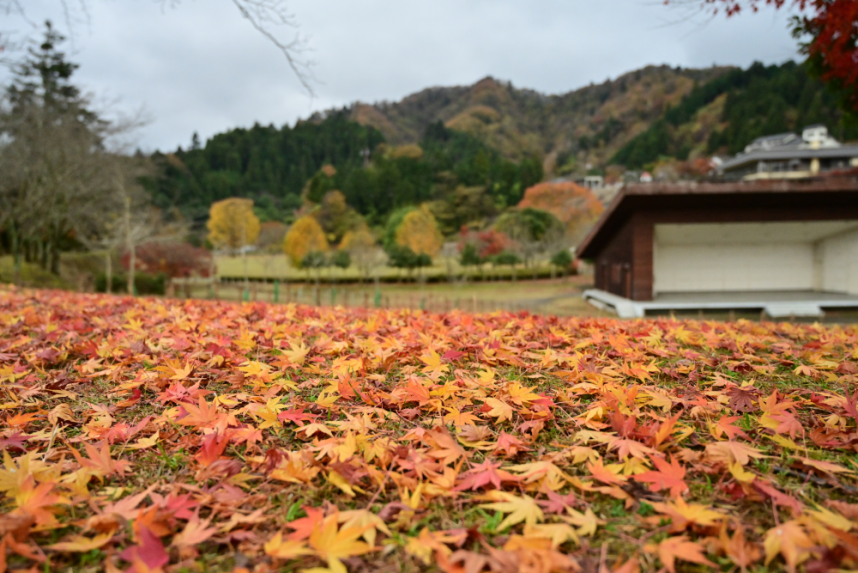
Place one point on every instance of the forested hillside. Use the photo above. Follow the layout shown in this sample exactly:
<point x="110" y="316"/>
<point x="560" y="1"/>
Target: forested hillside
<point x="266" y="164"/>
<point x="595" y="120"/>
<point x="281" y="168"/>
<point x="472" y="151"/>
<point x="730" y="111"/>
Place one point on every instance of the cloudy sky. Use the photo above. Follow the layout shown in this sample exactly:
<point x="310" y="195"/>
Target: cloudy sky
<point x="199" y="67"/>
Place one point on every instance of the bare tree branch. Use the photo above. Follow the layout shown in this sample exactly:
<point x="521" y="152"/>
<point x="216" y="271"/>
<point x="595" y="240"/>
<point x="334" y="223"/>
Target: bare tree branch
<point x="262" y="12"/>
<point x="263" y="15"/>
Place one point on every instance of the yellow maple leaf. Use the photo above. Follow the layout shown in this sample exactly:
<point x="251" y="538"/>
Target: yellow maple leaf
<point x="333" y="544"/>
<point x="519" y="509"/>
<point x="500" y="410"/>
<point x="558" y="533"/>
<point x="279" y="548"/>
<point x="81" y="543"/>
<point x="432" y="360"/>
<point x="790" y="540"/>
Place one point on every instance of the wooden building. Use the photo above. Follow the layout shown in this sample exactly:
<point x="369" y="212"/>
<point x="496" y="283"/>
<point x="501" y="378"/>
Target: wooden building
<point x="773" y="236"/>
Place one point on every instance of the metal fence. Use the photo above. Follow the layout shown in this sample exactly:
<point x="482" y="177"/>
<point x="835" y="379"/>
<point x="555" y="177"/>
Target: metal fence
<point x="346" y="295"/>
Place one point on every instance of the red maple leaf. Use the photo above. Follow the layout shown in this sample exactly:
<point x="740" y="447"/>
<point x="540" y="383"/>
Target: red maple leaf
<point x="297" y="416"/>
<point x="484" y="474"/>
<point x="148" y="554"/>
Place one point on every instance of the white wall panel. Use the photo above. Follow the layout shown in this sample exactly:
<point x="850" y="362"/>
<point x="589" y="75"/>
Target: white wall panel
<point x="732" y="267"/>
<point x="840" y="262"/>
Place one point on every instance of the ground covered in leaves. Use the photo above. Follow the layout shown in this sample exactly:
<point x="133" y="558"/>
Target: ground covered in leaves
<point x="146" y="435"/>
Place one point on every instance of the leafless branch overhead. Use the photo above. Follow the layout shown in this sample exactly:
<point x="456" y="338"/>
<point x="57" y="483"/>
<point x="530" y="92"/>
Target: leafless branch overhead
<point x="264" y="15"/>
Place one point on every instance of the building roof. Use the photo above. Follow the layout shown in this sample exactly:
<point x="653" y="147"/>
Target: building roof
<point x="733" y="195"/>
<point x="789" y="151"/>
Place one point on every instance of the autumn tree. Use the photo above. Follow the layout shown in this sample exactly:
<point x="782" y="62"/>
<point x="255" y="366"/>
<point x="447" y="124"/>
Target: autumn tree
<point x="575" y="206"/>
<point x="419" y="232"/>
<point x="271" y="235"/>
<point x="335" y="216"/>
<point x="832" y="29"/>
<point x="533" y="232"/>
<point x="304" y="237"/>
<point x="173" y="259"/>
<point x="232" y="224"/>
<point x="62" y="168"/>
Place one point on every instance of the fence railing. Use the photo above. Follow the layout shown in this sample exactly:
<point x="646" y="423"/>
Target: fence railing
<point x="347" y="295"/>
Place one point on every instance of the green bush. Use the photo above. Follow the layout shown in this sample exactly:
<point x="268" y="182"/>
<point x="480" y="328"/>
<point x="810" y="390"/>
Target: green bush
<point x="31" y="275"/>
<point x="146" y="284"/>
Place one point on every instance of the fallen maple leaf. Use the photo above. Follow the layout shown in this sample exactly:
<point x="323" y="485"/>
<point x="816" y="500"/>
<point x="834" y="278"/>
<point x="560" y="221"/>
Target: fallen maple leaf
<point x="195" y="532"/>
<point x="519" y="509"/>
<point x="148" y="554"/>
<point x="500" y="410"/>
<point x="790" y="540"/>
<point x="669" y="476"/>
<point x="286" y="549"/>
<point x="681" y="547"/>
<point x="606" y="474"/>
<point x="684" y="514"/>
<point x="333" y="544"/>
<point x="739" y="550"/>
<point x="486" y="473"/>
<point x="81" y="543"/>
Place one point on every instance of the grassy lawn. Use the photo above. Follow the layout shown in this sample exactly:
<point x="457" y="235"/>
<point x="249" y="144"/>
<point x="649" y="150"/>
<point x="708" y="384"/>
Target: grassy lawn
<point x="173" y="435"/>
<point x="559" y="296"/>
<point x="269" y="267"/>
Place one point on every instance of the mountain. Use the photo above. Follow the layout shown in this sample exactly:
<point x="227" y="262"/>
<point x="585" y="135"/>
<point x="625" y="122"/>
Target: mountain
<point x="473" y="150"/>
<point x="597" y="119"/>
<point x="725" y="114"/>
<point x="633" y="121"/>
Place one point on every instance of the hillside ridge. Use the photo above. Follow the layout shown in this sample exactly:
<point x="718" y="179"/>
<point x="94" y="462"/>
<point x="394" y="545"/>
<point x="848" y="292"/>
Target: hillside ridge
<point x="522" y="121"/>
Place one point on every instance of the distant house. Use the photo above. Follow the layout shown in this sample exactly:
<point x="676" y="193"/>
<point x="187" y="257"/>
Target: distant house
<point x="788" y="156"/>
<point x="788" y="247"/>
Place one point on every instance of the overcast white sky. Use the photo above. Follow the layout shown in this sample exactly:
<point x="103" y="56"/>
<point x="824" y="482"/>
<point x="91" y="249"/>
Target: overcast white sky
<point x="200" y="67"/>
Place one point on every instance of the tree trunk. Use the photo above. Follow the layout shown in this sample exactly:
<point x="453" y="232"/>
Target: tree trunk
<point x="43" y="254"/>
<point x="54" y="257"/>
<point x="16" y="253"/>
<point x="132" y="262"/>
<point x="108" y="272"/>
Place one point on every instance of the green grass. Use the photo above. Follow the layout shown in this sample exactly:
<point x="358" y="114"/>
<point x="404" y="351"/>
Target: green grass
<point x="270" y="267"/>
<point x="558" y="296"/>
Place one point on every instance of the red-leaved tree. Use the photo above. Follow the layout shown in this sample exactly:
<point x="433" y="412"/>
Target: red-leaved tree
<point x="487" y="243"/>
<point x="176" y="260"/>
<point x="833" y="29"/>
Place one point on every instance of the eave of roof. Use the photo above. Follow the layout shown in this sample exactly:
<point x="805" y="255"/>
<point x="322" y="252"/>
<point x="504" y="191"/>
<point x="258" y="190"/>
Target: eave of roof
<point x="588" y="248"/>
<point x="790" y="153"/>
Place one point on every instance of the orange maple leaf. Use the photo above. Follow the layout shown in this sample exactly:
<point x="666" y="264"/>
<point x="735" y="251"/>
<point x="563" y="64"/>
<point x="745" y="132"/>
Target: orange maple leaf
<point x="669" y="476"/>
<point x="681" y="547"/>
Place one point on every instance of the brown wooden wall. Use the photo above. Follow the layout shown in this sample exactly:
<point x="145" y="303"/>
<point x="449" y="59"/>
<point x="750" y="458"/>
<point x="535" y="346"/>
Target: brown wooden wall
<point x="613" y="270"/>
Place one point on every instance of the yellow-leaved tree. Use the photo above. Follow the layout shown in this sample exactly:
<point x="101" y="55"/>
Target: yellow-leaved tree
<point x="419" y="232"/>
<point x="232" y="224"/>
<point x="306" y="236"/>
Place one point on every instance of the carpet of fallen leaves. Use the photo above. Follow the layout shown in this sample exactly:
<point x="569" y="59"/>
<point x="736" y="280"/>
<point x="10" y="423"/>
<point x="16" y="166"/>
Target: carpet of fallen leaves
<point x="145" y="435"/>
